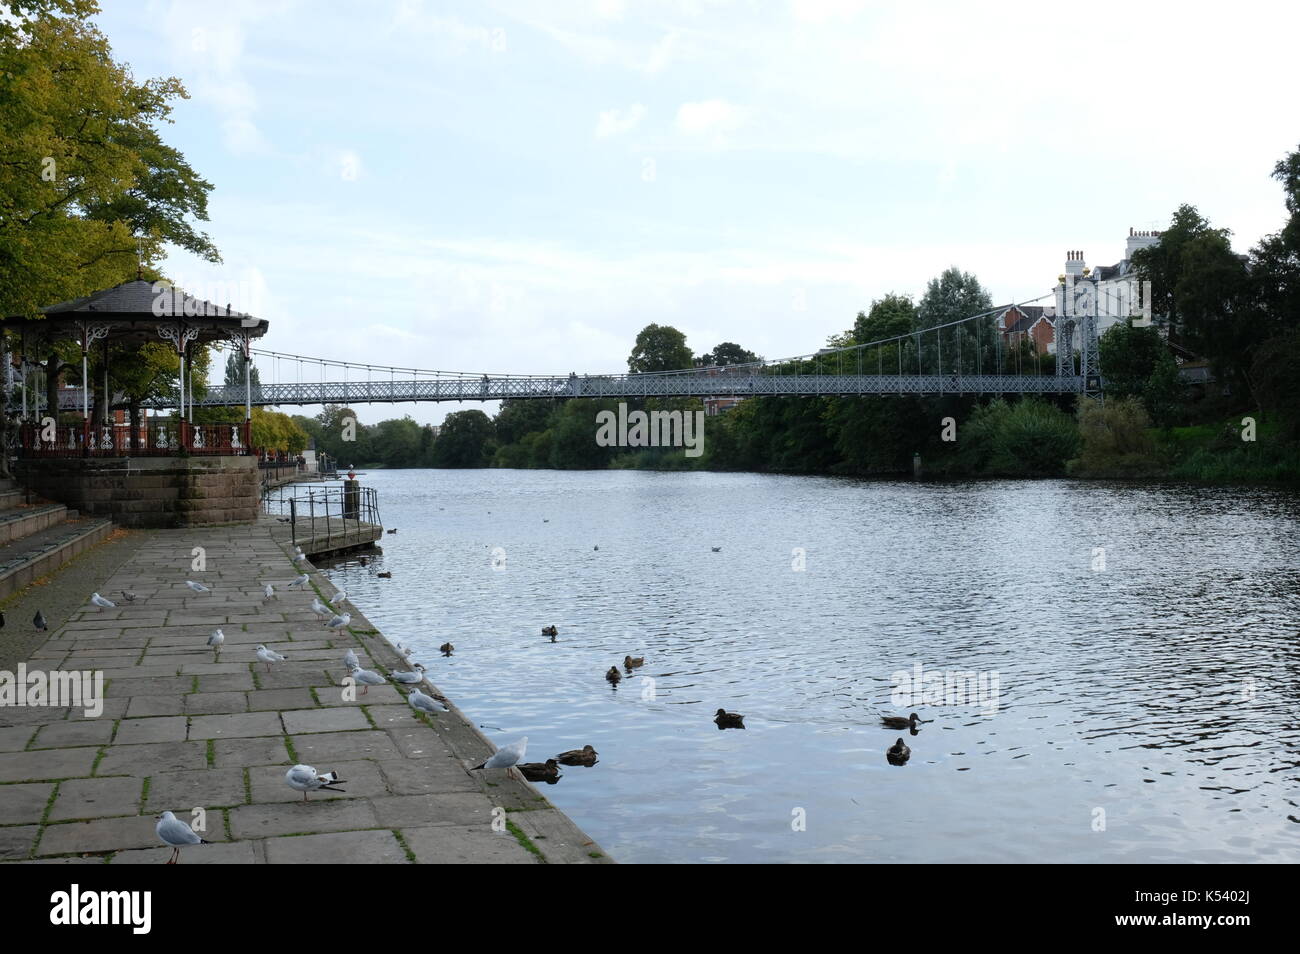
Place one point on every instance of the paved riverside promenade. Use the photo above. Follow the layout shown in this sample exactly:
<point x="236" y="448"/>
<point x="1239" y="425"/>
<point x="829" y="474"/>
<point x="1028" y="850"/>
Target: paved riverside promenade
<point x="181" y="731"/>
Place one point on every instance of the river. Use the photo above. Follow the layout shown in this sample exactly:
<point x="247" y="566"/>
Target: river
<point x="1136" y="649"/>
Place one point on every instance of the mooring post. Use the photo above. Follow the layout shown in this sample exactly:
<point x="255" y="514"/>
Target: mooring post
<point x="916" y="465"/>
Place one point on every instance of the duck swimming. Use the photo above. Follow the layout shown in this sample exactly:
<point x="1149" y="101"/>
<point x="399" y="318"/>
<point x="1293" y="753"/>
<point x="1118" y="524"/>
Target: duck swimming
<point x="583" y="756"/>
<point x="550" y="631"/>
<point x="446" y="649"/>
<point x="898" y="722"/>
<point x="548" y="771"/>
<point x="898" y="753"/>
<point x="614" y="676"/>
<point x="633" y="662"/>
<point x="729" y="720"/>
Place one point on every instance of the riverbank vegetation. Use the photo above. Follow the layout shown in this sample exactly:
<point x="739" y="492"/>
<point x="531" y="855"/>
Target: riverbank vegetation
<point x="1236" y="315"/>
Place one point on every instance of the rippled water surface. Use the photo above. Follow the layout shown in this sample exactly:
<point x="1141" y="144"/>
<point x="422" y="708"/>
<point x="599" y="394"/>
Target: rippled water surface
<point x="1155" y="699"/>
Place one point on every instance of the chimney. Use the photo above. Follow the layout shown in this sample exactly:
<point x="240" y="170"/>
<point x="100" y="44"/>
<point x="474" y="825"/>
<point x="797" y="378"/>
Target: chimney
<point x="1074" y="263"/>
<point x="1138" y="239"/>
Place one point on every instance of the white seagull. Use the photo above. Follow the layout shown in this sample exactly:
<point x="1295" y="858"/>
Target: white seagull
<point x="320" y="609"/>
<point x="268" y="594"/>
<point x="268" y="656"/>
<point x="506" y="756"/>
<point x="340" y="597"/>
<point x="198" y="587"/>
<point x="215" y="640"/>
<point x="422" y="703"/>
<point x="336" y="623"/>
<point x="409" y="678"/>
<point x="350" y="661"/>
<point x="298" y="555"/>
<point x="101" y="602"/>
<point x="175" y="833"/>
<point x="303" y="778"/>
<point x="366" y="678"/>
<point x="300" y="582"/>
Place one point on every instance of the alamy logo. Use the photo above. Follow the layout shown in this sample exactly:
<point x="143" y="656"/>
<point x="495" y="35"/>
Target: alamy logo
<point x="651" y="429"/>
<point x="74" y="907"/>
<point x="72" y="689"/>
<point x="939" y="687"/>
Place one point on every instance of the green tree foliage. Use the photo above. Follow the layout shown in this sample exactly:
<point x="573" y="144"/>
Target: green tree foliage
<point x="659" y="348"/>
<point x="275" y="431"/>
<point x="971" y="346"/>
<point x="1128" y="357"/>
<point x="466" y="440"/>
<point x="1276" y="376"/>
<point x="1027" y="438"/>
<point x="1115" y="439"/>
<point x="728" y="352"/>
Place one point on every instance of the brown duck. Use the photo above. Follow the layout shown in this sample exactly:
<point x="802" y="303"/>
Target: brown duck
<point x="583" y="756"/>
<point x="729" y="720"/>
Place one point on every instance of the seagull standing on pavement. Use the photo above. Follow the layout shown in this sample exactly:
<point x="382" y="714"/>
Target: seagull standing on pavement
<point x="337" y="623"/>
<point x="177" y="835"/>
<point x="268" y="594"/>
<point x="366" y="678"/>
<point x="303" y="778"/>
<point x="101" y="602"/>
<point x="350" y="660"/>
<point x="215" y="641"/>
<point x="300" y="582"/>
<point x="409" y="678"/>
<point x="320" y="609"/>
<point x="268" y="656"/>
<point x="422" y="703"/>
<point x="198" y="587"/>
<point x="506" y="756"/>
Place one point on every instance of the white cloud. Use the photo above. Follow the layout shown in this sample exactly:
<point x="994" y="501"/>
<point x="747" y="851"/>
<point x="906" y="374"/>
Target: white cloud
<point x="615" y="122"/>
<point x="661" y="54"/>
<point x="711" y="116"/>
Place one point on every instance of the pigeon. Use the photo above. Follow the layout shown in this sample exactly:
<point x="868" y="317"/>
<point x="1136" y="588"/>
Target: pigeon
<point x="268" y="656"/>
<point x="39" y="622"/>
<point x="422" y="703"/>
<point x="268" y="594"/>
<point x="505" y="757"/>
<point x="337" y="623"/>
<point x="129" y="597"/>
<point x="446" y="649"/>
<point x="366" y="678"/>
<point x="409" y="678"/>
<point x="303" y="778"/>
<point x="351" y="661"/>
<point x="300" y="582"/>
<point x="215" y="640"/>
<point x="729" y="720"/>
<point x="102" y="603"/>
<point x="175" y="833"/>
<point x="613" y="675"/>
<point x="198" y="587"/>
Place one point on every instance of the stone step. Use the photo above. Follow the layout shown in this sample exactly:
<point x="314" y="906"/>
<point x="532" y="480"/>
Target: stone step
<point x="28" y="519"/>
<point x="41" y="553"/>
<point x="12" y="497"/>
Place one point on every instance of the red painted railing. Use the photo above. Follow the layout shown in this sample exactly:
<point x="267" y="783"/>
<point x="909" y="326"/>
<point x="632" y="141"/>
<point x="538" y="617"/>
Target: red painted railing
<point x="152" y="439"/>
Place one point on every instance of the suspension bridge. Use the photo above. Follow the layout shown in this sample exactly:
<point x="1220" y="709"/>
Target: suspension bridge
<point x="967" y="357"/>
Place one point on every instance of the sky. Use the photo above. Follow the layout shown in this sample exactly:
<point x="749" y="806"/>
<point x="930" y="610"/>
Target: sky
<point x="522" y="186"/>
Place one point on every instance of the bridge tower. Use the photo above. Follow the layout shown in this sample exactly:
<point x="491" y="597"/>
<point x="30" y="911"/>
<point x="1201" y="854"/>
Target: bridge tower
<point x="1077" y="311"/>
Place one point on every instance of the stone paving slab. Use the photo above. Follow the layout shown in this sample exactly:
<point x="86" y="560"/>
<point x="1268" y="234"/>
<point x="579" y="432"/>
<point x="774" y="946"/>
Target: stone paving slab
<point x="184" y="728"/>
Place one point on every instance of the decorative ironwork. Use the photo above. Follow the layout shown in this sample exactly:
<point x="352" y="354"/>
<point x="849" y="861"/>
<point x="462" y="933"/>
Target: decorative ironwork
<point x="151" y="439"/>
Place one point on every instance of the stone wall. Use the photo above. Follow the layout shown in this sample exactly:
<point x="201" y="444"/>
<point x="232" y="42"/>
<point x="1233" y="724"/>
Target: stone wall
<point x="150" y="491"/>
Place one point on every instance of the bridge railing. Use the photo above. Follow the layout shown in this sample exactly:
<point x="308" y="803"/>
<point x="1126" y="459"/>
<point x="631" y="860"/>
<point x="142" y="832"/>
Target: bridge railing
<point x="153" y="438"/>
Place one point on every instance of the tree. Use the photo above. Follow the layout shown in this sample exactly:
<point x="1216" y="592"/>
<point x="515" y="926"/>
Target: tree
<point x="235" y="374"/>
<point x="1128" y="357"/>
<point x="952" y="296"/>
<point x="464" y="441"/>
<point x="888" y="317"/>
<point x="726" y="353"/>
<point x="659" y="348"/>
